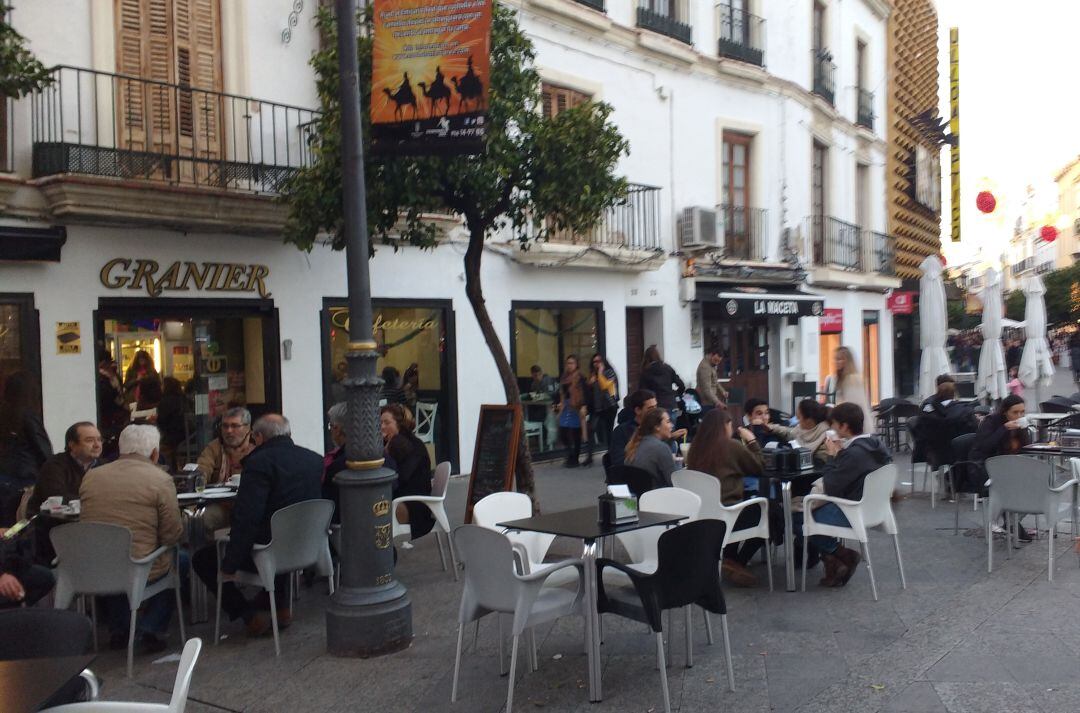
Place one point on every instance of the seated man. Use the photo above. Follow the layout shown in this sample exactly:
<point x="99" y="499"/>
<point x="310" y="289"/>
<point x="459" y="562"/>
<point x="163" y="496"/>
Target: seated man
<point x="134" y="493"/>
<point x="637" y="403"/>
<point x="278" y="473"/>
<point x="221" y="458"/>
<point x="63" y="473"/>
<point x="21" y="581"/>
<point x="854" y="457"/>
<point x="756" y="414"/>
<point x="942" y="419"/>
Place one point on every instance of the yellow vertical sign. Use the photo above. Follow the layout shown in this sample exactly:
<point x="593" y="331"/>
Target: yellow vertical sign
<point x="954" y="127"/>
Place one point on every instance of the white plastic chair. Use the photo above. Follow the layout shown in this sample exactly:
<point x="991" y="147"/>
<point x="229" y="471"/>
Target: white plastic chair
<point x="874" y="510"/>
<point x="435" y="502"/>
<point x="530" y="548"/>
<point x="298" y="539"/>
<point x="94" y="558"/>
<point x="425" y="421"/>
<point x="535" y="429"/>
<point x="708" y="489"/>
<point x="177" y="703"/>
<point x="492" y="586"/>
<point x="1020" y="485"/>
<point x="640" y="544"/>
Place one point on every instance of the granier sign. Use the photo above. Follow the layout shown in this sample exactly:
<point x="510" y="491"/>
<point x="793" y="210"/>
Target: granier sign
<point x="154" y="279"/>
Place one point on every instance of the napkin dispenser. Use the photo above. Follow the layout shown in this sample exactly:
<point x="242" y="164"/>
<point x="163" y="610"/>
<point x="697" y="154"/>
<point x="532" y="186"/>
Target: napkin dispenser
<point x="617" y="506"/>
<point x="788" y="460"/>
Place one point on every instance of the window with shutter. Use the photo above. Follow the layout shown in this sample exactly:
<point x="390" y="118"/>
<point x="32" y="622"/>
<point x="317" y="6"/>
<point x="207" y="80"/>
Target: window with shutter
<point x="555" y="99"/>
<point x="176" y="43"/>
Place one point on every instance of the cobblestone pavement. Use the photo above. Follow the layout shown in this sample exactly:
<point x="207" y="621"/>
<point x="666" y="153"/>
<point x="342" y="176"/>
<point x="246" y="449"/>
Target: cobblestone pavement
<point x="957" y="640"/>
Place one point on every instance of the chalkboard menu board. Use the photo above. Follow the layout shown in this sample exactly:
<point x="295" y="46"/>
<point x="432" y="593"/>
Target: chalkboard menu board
<point x="495" y="456"/>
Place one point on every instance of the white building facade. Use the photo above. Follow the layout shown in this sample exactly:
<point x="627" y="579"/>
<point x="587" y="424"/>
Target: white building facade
<point x="140" y="214"/>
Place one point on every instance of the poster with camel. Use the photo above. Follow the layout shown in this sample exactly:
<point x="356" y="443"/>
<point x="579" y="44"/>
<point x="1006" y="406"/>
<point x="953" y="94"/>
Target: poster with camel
<point x="430" y="76"/>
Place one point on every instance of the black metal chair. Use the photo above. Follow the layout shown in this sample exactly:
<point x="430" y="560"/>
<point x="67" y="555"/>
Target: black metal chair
<point x="640" y="481"/>
<point x="965" y="389"/>
<point x="1056" y="404"/>
<point x="899" y="415"/>
<point x="965" y="475"/>
<point x="687" y="574"/>
<point x="36" y="632"/>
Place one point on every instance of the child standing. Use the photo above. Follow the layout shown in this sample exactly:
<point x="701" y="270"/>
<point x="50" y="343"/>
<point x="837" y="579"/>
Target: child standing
<point x="1015" y="385"/>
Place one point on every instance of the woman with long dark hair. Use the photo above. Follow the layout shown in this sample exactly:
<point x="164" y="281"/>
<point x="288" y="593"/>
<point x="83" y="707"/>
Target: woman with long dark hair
<point x="141" y="367"/>
<point x="572" y="408"/>
<point x="659" y="378"/>
<point x="604" y="402"/>
<point x="648" y="448"/>
<point x="729" y="460"/>
<point x="811" y="429"/>
<point x="1004" y="432"/>
<point x="24" y="444"/>
<point x="413" y="466"/>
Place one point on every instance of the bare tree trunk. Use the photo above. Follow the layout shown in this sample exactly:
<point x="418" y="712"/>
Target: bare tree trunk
<point x="474" y="291"/>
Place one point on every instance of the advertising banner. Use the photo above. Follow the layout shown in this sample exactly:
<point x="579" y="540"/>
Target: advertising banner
<point x="901" y="302"/>
<point x="832" y="322"/>
<point x="430" y="76"/>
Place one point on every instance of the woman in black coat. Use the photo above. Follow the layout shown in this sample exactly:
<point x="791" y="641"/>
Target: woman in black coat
<point x="1002" y="432"/>
<point x="659" y="378"/>
<point x="413" y="466"/>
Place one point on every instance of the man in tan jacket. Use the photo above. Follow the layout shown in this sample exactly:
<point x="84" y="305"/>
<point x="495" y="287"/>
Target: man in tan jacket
<point x="134" y="493"/>
<point x="710" y="392"/>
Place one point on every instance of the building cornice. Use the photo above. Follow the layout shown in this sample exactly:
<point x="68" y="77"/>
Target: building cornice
<point x="881" y="8"/>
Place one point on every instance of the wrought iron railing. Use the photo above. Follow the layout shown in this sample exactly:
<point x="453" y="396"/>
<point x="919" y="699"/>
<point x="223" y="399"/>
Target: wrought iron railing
<point x="744" y="231"/>
<point x="884" y="253"/>
<point x="105" y="124"/>
<point x="667" y="17"/>
<point x="1023" y="266"/>
<point x="742" y="35"/>
<point x="824" y="75"/>
<point x="634" y="223"/>
<point x="836" y="243"/>
<point x="594" y="4"/>
<point x="864" y="115"/>
<point x="1044" y="267"/>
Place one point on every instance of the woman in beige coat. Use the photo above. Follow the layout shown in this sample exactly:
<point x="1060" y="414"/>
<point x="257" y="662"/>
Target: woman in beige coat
<point x="846" y="385"/>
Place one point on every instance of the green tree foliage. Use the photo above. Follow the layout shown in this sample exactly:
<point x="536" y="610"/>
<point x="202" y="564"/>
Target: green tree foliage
<point x="1015" y="304"/>
<point x="1060" y="306"/>
<point x="20" y="72"/>
<point x="536" y="175"/>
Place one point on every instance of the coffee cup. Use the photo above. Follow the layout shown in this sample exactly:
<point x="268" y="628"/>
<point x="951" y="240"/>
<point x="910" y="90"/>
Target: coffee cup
<point x="54" y="503"/>
<point x="1023" y="422"/>
<point x="76" y="506"/>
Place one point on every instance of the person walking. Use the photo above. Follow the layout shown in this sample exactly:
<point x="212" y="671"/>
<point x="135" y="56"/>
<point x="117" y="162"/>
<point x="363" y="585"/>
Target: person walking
<point x="573" y="391"/>
<point x="603" y="403"/>
<point x="710" y="393"/>
<point x="659" y="378"/>
<point x="845" y="384"/>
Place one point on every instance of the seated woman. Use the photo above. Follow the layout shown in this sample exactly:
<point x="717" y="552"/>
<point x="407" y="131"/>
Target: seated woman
<point x="716" y="452"/>
<point x="1002" y="433"/>
<point x="811" y="429"/>
<point x="413" y="466"/>
<point x="647" y="448"/>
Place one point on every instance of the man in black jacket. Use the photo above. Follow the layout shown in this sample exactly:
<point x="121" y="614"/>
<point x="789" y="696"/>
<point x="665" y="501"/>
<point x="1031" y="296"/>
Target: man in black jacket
<point x="637" y="403"/>
<point x="21" y="581"/>
<point x="276" y="474"/>
<point x="854" y="457"/>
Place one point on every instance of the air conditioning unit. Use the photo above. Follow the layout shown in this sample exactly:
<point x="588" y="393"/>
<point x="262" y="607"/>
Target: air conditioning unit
<point x="697" y="228"/>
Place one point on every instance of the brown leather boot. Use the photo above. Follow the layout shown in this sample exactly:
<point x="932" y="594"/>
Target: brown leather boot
<point x="851" y="559"/>
<point x="737" y="573"/>
<point x="835" y="571"/>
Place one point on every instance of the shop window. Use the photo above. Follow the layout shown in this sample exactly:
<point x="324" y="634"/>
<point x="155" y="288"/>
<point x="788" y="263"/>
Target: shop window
<point x="545" y="336"/>
<point x="19" y="342"/>
<point x="871" y="355"/>
<point x="220" y="357"/>
<point x="413" y="340"/>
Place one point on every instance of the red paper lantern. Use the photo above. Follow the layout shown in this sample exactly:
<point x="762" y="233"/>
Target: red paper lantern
<point x="1048" y="233"/>
<point x="986" y="202"/>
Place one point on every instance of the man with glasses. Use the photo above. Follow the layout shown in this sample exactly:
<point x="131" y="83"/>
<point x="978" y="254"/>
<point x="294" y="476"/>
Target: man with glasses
<point x="63" y="473"/>
<point x="221" y="458"/>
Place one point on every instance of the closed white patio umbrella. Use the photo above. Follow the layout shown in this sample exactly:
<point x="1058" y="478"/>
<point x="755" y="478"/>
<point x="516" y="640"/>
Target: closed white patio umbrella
<point x="1036" y="368"/>
<point x="992" y="379"/>
<point x="933" y="321"/>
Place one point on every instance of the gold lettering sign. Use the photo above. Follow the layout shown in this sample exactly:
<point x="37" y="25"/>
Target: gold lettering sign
<point x="381" y="508"/>
<point x="382" y="536"/>
<point x="154" y="279"/>
<point x="340" y="319"/>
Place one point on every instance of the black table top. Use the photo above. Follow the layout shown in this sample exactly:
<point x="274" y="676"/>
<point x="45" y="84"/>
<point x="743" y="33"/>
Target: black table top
<point x="27" y="684"/>
<point x="583" y="523"/>
<point x="815" y="473"/>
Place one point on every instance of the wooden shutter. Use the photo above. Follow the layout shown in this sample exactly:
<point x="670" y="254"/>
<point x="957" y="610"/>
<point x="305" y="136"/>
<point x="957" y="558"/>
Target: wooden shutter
<point x="556" y="99"/>
<point x="197" y="40"/>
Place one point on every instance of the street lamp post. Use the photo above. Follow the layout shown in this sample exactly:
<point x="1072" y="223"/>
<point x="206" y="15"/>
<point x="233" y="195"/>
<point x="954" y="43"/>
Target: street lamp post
<point x="370" y="613"/>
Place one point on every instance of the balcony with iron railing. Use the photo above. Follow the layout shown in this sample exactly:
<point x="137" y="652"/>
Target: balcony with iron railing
<point x="824" y="75"/>
<point x="883" y="255"/>
<point x="633" y="224"/>
<point x="1019" y="268"/>
<point x="741" y="35"/>
<point x="666" y="17"/>
<point x="117" y="126"/>
<point x="743" y="232"/>
<point x="836" y="243"/>
<point x="864" y="115"/>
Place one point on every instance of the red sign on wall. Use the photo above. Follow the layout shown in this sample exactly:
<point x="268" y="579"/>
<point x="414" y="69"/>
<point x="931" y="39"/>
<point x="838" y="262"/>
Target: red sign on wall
<point x="901" y="302"/>
<point x="832" y="321"/>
